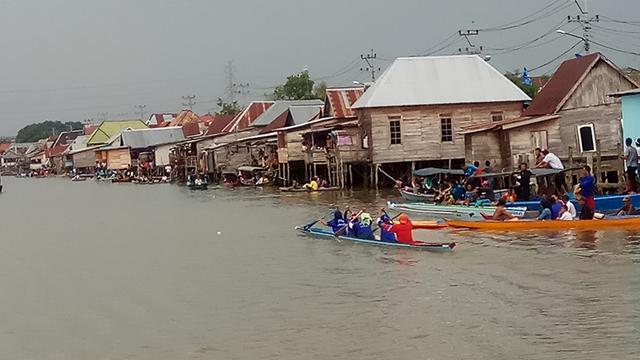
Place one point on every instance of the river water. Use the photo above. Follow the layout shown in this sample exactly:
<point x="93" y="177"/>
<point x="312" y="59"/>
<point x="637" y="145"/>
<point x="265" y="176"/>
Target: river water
<point x="121" y="271"/>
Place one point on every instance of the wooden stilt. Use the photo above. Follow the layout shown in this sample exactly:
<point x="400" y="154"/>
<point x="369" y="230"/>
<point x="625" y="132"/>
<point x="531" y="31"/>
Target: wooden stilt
<point x="375" y="175"/>
<point x="598" y="165"/>
<point x="351" y="175"/>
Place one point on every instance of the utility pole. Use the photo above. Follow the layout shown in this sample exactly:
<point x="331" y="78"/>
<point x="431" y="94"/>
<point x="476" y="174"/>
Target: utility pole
<point x="585" y="20"/>
<point x="189" y="101"/>
<point x="371" y="68"/>
<point x="103" y="116"/>
<point x="234" y="88"/>
<point x="472" y="49"/>
<point x="141" y="111"/>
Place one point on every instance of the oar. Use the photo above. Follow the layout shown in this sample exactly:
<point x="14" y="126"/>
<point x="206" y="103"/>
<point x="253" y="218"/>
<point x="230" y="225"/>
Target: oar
<point x="393" y="218"/>
<point x="309" y="225"/>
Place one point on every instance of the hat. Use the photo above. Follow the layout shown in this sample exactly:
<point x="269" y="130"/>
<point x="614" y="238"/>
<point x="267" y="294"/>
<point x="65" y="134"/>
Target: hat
<point x="404" y="219"/>
<point x="366" y="218"/>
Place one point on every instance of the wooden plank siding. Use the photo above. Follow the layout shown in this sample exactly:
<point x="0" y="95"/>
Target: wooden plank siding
<point x="594" y="90"/>
<point x="421" y="129"/>
<point x="484" y="146"/>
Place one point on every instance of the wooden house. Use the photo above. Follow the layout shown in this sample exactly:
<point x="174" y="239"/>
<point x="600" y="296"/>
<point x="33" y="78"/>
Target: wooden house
<point x="572" y="116"/>
<point x="329" y="147"/>
<point x="107" y="129"/>
<point x="412" y="115"/>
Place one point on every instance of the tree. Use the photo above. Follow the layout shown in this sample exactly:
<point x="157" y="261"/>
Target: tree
<point x="228" y="108"/>
<point x="516" y="78"/>
<point x="35" y="132"/>
<point x="297" y="87"/>
<point x="320" y="91"/>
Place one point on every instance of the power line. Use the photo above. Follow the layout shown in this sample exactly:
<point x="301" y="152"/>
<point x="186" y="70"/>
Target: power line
<point x="370" y="68"/>
<point x="190" y="101"/>
<point x="526" y="21"/>
<point x="616" y="49"/>
<point x="525" y="45"/>
<point x="626" y="22"/>
<point x="557" y="57"/>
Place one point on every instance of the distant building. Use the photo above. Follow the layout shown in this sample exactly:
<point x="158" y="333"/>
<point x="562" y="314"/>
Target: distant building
<point x="107" y="129"/>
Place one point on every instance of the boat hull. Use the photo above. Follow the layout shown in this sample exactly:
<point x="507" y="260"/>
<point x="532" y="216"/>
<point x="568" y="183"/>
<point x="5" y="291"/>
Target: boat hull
<point x="198" y="187"/>
<point x="286" y="189"/>
<point x="327" y="234"/>
<point x="605" y="203"/>
<point x="452" y="211"/>
<point x="630" y="222"/>
<point x="411" y="196"/>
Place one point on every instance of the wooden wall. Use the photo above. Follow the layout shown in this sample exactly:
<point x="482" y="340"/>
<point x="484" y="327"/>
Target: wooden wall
<point x="84" y="159"/>
<point x="484" y="146"/>
<point x="594" y="90"/>
<point x="116" y="158"/>
<point x="607" y="127"/>
<point x="421" y="133"/>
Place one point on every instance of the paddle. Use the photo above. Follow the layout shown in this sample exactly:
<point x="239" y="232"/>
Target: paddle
<point x="309" y="225"/>
<point x="337" y="233"/>
<point x="393" y="218"/>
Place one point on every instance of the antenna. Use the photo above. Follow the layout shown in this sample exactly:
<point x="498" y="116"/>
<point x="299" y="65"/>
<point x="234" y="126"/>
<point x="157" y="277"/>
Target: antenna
<point x="472" y="49"/>
<point x="189" y="101"/>
<point x="368" y="59"/>
<point x="585" y="20"/>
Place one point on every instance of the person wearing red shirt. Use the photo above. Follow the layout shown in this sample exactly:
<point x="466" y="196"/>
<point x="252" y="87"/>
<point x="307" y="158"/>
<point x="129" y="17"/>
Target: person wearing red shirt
<point x="403" y="230"/>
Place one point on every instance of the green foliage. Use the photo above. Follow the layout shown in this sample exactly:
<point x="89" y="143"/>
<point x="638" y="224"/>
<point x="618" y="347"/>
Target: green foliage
<point x="228" y="108"/>
<point x="299" y="87"/>
<point x="516" y="78"/>
<point x="320" y="92"/>
<point x="35" y="132"/>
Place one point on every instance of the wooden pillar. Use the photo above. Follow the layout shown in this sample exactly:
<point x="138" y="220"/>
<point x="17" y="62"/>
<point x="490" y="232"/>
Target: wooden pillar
<point x="315" y="169"/>
<point x="621" y="166"/>
<point x="351" y="175"/>
<point x="449" y="164"/>
<point x="375" y="175"/>
<point x="570" y="157"/>
<point x="598" y="168"/>
<point x="413" y="168"/>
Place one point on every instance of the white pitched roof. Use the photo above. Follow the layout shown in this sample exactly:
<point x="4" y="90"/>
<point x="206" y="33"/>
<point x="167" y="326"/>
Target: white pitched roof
<point x="461" y="79"/>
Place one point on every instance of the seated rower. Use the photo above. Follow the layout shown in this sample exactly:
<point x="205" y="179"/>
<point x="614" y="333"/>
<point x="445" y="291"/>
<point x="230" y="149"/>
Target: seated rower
<point x="361" y="228"/>
<point x="384" y="222"/>
<point x="565" y="214"/>
<point x="403" y="230"/>
<point x="627" y="207"/>
<point x="501" y="213"/>
<point x="337" y="223"/>
<point x="510" y="196"/>
<point x="311" y="185"/>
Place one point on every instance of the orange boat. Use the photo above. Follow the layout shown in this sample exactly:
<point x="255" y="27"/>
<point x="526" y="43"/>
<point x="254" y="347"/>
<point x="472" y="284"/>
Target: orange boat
<point x="625" y="222"/>
<point x="428" y="224"/>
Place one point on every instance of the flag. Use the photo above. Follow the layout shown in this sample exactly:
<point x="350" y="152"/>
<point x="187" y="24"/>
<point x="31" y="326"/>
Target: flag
<point x="526" y="80"/>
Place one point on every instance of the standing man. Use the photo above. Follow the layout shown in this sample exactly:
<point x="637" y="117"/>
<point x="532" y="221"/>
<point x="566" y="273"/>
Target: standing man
<point x="489" y="170"/>
<point x="586" y="188"/>
<point x="552" y="161"/>
<point x="630" y="158"/>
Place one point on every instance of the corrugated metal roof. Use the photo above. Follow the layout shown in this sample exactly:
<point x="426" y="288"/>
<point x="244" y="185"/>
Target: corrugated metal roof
<point x="79" y="143"/>
<point x="563" y="82"/>
<point x="108" y="129"/>
<point x="144" y="138"/>
<point x="281" y="106"/>
<point x="302" y="114"/>
<point x="218" y="123"/>
<point x="626" y="93"/>
<point x="508" y="124"/>
<point x="248" y="116"/>
<point x="341" y="100"/>
<point x="435" y="80"/>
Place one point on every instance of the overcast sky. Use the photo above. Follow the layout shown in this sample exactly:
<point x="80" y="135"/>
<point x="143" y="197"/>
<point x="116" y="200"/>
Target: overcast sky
<point x="73" y="59"/>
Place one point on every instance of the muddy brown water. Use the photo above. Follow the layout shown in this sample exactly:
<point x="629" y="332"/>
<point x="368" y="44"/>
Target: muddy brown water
<point x="121" y="271"/>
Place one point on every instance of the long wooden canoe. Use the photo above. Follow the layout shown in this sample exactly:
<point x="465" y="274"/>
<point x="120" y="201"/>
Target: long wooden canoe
<point x="429" y="224"/>
<point x="451" y="211"/>
<point x="291" y="189"/>
<point x="627" y="222"/>
<point x="328" y="234"/>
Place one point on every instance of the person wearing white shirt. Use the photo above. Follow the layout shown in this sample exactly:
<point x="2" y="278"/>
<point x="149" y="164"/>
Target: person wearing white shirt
<point x="570" y="207"/>
<point x="564" y="214"/>
<point x="551" y="161"/>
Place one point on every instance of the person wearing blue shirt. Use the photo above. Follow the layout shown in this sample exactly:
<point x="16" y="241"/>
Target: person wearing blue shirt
<point x="386" y="236"/>
<point x="556" y="206"/>
<point x="469" y="170"/>
<point x="338" y="221"/>
<point x="361" y="228"/>
<point x="587" y="187"/>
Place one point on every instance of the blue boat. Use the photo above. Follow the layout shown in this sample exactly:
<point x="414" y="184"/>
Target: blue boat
<point x="604" y="203"/>
<point x="328" y="234"/>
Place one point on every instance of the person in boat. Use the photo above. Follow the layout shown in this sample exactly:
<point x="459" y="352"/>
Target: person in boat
<point x="470" y="196"/>
<point x="403" y="230"/>
<point x="627" y="207"/>
<point x="361" y="228"/>
<point x="565" y="215"/>
<point x="198" y="181"/>
<point x="488" y="169"/>
<point x="486" y="196"/>
<point x="630" y="158"/>
<point x="444" y="193"/>
<point x="570" y="207"/>
<point x="384" y="223"/>
<point x="586" y="213"/>
<point x="523" y="179"/>
<point x="501" y="213"/>
<point x="322" y="183"/>
<point x="537" y="153"/>
<point x="312" y="185"/>
<point x="545" y="203"/>
<point x="586" y="187"/>
<point x="457" y="192"/>
<point x="337" y="223"/>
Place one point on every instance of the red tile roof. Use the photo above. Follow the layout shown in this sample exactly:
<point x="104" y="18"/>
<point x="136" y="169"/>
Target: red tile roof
<point x="184" y="117"/>
<point x="248" y="115"/>
<point x="191" y="129"/>
<point x="340" y="101"/>
<point x="56" y="150"/>
<point x="90" y="128"/>
<point x="562" y="84"/>
<point x="159" y="119"/>
<point x="218" y="123"/>
<point x="4" y="147"/>
<point x="280" y="121"/>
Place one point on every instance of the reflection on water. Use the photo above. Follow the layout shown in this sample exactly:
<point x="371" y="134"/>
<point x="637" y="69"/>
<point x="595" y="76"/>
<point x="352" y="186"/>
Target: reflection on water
<point x="121" y="271"/>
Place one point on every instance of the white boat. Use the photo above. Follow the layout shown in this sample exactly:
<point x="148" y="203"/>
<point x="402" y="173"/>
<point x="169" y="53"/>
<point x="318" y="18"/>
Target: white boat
<point x="452" y="211"/>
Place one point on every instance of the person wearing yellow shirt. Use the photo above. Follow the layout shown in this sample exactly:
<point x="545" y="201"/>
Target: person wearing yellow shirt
<point x="312" y="185"/>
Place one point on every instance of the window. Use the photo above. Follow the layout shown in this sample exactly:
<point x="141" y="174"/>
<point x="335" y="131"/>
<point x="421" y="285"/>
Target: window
<point x="395" y="137"/>
<point x="446" y="129"/>
<point x="539" y="139"/>
<point x="587" y="138"/>
<point x="496" y="116"/>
